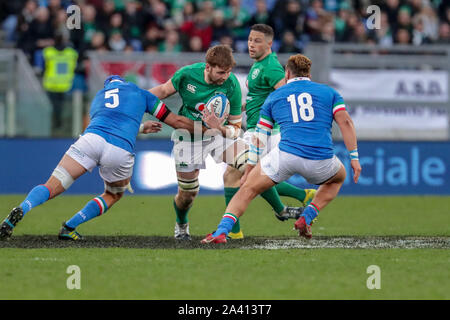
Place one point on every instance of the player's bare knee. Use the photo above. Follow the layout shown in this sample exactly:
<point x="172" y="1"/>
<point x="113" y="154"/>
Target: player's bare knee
<point x="184" y="199"/>
<point x="249" y="192"/>
<point x="231" y="177"/>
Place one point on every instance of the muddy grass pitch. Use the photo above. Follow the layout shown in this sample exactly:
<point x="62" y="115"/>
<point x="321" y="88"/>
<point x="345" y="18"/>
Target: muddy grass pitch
<point x="267" y="243"/>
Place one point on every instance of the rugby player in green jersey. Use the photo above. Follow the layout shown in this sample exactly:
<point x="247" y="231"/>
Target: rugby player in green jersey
<point x="196" y="84"/>
<point x="266" y="75"/>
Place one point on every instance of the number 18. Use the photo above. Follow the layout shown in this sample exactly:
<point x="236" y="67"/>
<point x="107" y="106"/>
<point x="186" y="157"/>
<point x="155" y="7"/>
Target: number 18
<point x="306" y="110"/>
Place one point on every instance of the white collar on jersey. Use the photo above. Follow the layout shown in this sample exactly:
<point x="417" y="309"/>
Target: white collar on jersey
<point x="116" y="80"/>
<point x="298" y="79"/>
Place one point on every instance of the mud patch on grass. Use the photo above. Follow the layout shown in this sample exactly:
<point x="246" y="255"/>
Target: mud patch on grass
<point x="261" y="243"/>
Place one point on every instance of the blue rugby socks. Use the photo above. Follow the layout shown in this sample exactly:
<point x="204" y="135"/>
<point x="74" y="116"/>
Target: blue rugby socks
<point x="38" y="195"/>
<point x="310" y="213"/>
<point x="226" y="224"/>
<point x="92" y="209"/>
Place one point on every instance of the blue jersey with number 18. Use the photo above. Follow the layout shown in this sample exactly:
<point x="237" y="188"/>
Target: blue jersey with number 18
<point x="305" y="111"/>
<point x="117" y="110"/>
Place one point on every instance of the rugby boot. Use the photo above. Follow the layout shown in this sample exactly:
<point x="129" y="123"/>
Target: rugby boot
<point x="289" y="213"/>
<point x="304" y="229"/>
<point x="7" y="226"/>
<point x="182" y="231"/>
<point x="66" y="233"/>
<point x="221" y="238"/>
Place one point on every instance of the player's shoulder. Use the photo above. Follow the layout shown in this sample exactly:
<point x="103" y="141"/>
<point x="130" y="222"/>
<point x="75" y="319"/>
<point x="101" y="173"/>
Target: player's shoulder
<point x="199" y="66"/>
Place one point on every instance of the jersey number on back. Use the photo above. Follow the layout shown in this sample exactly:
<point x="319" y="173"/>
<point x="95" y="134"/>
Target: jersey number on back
<point x="114" y="94"/>
<point x="303" y="104"/>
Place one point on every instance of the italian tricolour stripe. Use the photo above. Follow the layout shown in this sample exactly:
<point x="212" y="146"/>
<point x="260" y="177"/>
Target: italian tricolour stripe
<point x="102" y="204"/>
<point x="231" y="216"/>
<point x="159" y="110"/>
<point x="316" y="208"/>
<point x="265" y="122"/>
<point x="338" y="107"/>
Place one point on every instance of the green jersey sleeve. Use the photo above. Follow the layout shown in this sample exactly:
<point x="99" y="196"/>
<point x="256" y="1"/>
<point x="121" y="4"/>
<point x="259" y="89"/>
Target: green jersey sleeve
<point x="273" y="74"/>
<point x="177" y="77"/>
<point x="235" y="97"/>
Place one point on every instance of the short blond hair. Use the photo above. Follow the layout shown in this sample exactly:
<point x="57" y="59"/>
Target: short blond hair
<point x="220" y="56"/>
<point x="299" y="65"/>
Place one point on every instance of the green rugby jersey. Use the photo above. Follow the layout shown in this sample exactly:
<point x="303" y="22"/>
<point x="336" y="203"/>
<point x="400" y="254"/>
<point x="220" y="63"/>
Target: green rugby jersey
<point x="189" y="81"/>
<point x="261" y="79"/>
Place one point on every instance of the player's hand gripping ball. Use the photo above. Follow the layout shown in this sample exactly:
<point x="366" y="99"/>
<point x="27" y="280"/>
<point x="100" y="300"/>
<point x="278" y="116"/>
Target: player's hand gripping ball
<point x="218" y="104"/>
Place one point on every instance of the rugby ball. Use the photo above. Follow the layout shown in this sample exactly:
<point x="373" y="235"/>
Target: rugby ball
<point x="218" y="104"/>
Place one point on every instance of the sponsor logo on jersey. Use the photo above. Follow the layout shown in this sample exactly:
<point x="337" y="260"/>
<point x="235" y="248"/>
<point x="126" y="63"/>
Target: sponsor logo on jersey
<point x="200" y="106"/>
<point x="191" y="88"/>
<point x="255" y="74"/>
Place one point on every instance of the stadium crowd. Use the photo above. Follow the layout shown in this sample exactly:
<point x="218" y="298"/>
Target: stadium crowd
<point x="195" y="25"/>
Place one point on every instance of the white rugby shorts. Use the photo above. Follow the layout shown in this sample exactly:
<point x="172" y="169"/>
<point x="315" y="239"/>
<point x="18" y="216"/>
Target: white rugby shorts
<point x="91" y="150"/>
<point x="191" y="155"/>
<point x="280" y="166"/>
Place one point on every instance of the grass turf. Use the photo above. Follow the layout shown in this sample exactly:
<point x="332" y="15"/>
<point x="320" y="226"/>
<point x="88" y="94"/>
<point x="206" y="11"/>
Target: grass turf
<point x="119" y="273"/>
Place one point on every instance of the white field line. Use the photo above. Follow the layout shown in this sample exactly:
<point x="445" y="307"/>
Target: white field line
<point x="355" y="243"/>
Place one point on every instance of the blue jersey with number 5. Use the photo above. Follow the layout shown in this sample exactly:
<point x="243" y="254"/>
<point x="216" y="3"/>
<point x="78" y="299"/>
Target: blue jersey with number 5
<point x="305" y="112"/>
<point x="117" y="110"/>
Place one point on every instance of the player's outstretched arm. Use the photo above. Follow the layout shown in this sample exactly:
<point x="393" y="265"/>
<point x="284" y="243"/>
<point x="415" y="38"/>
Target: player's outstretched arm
<point x="180" y="122"/>
<point x="150" y="126"/>
<point x="348" y="131"/>
<point x="163" y="90"/>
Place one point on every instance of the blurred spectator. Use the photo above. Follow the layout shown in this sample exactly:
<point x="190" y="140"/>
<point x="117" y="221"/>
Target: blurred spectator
<point x="384" y="34"/>
<point x="208" y="9"/>
<point x="391" y="7"/>
<point x="152" y="37"/>
<point x="219" y="27"/>
<point x="59" y="23"/>
<point x="404" y="19"/>
<point x="25" y="39"/>
<point x="430" y="22"/>
<point x="98" y="42"/>
<point x="293" y="19"/>
<point x="133" y="20"/>
<point x="261" y="15"/>
<point x="227" y="40"/>
<point x="171" y="42"/>
<point x="340" y="22"/>
<point x="199" y="27"/>
<point x="288" y="44"/>
<point x="444" y="33"/>
<point x="150" y="46"/>
<point x="237" y="19"/>
<point x="103" y="15"/>
<point x="402" y="36"/>
<point x="156" y="12"/>
<point x="195" y="44"/>
<point x="312" y="19"/>
<point x="53" y="7"/>
<point x="328" y="31"/>
<point x="186" y="14"/>
<point x="60" y="64"/>
<point x="418" y="35"/>
<point x="116" y="41"/>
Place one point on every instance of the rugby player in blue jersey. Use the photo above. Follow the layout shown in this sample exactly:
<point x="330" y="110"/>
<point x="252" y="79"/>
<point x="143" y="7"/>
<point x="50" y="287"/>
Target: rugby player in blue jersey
<point x="305" y="111"/>
<point x="108" y="142"/>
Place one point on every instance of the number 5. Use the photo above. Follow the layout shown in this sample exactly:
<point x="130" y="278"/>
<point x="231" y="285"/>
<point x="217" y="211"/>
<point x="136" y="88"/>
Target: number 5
<point x="114" y="93"/>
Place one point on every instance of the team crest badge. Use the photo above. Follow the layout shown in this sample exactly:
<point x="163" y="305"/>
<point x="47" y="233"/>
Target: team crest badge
<point x="255" y="74"/>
